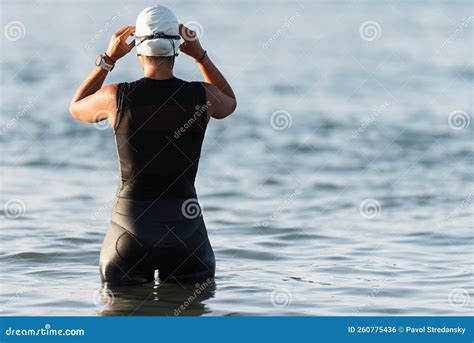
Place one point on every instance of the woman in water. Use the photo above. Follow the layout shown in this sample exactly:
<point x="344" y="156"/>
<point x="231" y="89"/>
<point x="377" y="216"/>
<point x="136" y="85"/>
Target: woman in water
<point x="159" y="123"/>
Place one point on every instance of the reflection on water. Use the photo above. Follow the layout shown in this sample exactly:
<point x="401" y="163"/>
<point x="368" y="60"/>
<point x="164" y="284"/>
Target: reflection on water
<point x="156" y="299"/>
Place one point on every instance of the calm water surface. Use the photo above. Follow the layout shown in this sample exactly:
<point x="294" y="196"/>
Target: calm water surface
<point x="341" y="186"/>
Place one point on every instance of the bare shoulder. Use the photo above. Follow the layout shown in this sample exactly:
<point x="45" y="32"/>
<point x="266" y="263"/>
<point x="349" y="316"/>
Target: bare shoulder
<point x="109" y="90"/>
<point x="107" y="96"/>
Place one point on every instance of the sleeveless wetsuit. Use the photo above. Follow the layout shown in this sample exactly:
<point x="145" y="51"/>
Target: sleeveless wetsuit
<point x="156" y="220"/>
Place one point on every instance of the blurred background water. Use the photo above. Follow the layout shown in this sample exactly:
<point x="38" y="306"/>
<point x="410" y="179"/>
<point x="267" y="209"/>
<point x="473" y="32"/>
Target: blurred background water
<point x="341" y="186"/>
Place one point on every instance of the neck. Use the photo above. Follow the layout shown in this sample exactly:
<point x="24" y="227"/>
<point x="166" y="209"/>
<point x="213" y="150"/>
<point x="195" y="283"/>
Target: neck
<point x="158" y="71"/>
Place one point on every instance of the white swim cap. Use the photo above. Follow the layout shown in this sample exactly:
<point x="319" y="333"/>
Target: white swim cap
<point x="157" y="32"/>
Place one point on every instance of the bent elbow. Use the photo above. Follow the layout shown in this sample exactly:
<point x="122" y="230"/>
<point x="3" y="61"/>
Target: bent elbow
<point x="73" y="111"/>
<point x="233" y="106"/>
<point x="223" y="109"/>
<point x="230" y="109"/>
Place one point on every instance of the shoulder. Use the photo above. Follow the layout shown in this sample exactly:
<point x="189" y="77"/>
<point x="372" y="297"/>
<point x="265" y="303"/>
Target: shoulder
<point x="188" y="84"/>
<point x="106" y="93"/>
<point x="197" y="85"/>
<point x="195" y="90"/>
<point x="127" y="89"/>
<point x="129" y="86"/>
<point x="110" y="89"/>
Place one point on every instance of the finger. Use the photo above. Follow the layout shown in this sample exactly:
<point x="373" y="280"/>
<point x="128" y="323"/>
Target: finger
<point x="119" y="32"/>
<point x="181" y="29"/>
<point x="130" y="30"/>
<point x="186" y="32"/>
<point x="131" y="45"/>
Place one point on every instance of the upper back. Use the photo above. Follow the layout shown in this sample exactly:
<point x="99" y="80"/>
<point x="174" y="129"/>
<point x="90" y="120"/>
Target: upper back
<point x="159" y="130"/>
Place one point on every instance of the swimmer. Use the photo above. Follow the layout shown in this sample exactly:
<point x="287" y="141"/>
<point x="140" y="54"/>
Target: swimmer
<point x="159" y="123"/>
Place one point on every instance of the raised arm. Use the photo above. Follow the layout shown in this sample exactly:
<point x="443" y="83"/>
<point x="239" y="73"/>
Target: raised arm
<point x="218" y="91"/>
<point x="92" y="103"/>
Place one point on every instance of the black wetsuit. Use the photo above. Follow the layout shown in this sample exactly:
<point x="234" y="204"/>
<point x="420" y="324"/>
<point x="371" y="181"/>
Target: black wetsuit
<point x="156" y="222"/>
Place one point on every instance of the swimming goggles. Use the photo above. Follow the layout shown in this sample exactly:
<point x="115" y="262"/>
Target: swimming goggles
<point x="141" y="39"/>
